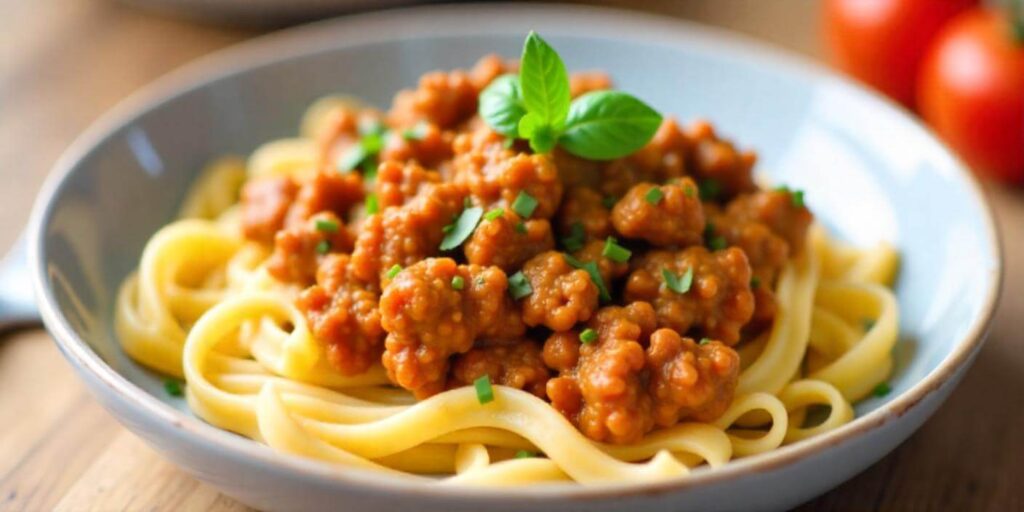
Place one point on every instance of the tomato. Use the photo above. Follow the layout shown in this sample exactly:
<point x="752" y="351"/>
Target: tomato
<point x="882" y="42"/>
<point x="971" y="90"/>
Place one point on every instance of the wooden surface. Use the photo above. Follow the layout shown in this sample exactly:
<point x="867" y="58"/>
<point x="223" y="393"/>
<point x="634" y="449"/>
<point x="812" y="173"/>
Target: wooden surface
<point x="63" y="62"/>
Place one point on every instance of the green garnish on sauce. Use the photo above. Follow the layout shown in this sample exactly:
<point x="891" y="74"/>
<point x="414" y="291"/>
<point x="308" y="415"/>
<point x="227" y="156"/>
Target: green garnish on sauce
<point x="364" y="154"/>
<point x="173" y="387"/>
<point x="372" y="204"/>
<point x="519" y="286"/>
<point x="460" y="231"/>
<point x="882" y="389"/>
<point x="595" y="275"/>
<point x="524" y="204"/>
<point x="327" y="225"/>
<point x="755" y="283"/>
<point x="494" y="214"/>
<point x="458" y="283"/>
<point x="525" y="454"/>
<point x="536" y="105"/>
<point x="323" y="247"/>
<point x="418" y="132"/>
<point x="704" y="341"/>
<point x="796" y="197"/>
<point x="615" y="252"/>
<point x="484" y="391"/>
<point x="717" y="243"/>
<point x="577" y="237"/>
<point x="588" y="335"/>
<point x="709" y="189"/>
<point x="679" y="284"/>
<point x="394" y="270"/>
<point x="654" y="195"/>
<point x="521" y="227"/>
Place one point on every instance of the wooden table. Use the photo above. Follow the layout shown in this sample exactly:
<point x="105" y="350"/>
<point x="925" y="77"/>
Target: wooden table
<point x="63" y="62"/>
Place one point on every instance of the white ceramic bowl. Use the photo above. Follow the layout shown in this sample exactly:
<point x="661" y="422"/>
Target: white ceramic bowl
<point x="870" y="172"/>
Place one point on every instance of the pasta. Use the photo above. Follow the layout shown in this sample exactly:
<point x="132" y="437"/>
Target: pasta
<point x="204" y="307"/>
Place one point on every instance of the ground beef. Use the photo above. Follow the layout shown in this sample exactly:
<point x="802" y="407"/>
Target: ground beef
<point x="575" y="171"/>
<point x="507" y="241"/>
<point x="583" y="82"/>
<point x="675" y="219"/>
<point x="660" y="160"/>
<point x="342" y="313"/>
<point x="610" y="270"/>
<point x="429" y="319"/>
<point x="562" y="295"/>
<point x="444" y="99"/>
<point x="518" y="365"/>
<point x="687" y="380"/>
<point x="495" y="175"/>
<point x="786" y="216"/>
<point x="424" y="143"/>
<point x="600" y="387"/>
<point x="585" y="207"/>
<point x="299" y="249"/>
<point x="397" y="183"/>
<point x="265" y="203"/>
<point x="715" y="160"/>
<point x="328" y="191"/>
<point x="718" y="303"/>
<point x="407" y="234"/>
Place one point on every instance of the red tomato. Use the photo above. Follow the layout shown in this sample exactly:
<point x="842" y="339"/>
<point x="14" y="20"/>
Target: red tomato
<point x="882" y="42"/>
<point x="971" y="90"/>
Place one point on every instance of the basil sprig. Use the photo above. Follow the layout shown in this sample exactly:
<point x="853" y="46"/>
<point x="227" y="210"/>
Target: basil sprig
<point x="536" y="106"/>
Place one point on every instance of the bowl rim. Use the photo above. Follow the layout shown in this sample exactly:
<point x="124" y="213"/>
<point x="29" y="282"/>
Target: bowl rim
<point x="348" y="31"/>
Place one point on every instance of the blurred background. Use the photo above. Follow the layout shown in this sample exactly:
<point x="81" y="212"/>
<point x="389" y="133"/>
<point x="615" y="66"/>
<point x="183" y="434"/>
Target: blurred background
<point x="958" y="64"/>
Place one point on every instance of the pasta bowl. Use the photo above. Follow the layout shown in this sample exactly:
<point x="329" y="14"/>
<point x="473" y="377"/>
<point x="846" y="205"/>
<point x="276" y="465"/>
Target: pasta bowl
<point x="870" y="171"/>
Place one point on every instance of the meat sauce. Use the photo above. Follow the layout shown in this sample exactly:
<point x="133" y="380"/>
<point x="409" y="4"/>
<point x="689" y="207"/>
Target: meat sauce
<point x="532" y="297"/>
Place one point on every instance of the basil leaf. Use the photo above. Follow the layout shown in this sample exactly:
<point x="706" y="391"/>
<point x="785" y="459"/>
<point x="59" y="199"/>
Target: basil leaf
<point x="501" y="105"/>
<point x="543" y="81"/>
<point x="533" y="128"/>
<point x="603" y="125"/>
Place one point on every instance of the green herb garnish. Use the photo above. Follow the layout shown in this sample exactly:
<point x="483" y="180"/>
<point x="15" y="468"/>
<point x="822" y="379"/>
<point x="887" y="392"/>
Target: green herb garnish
<point x="458" y="283"/>
<point x="372" y="204"/>
<point x="524" y="204"/>
<point x="595" y="275"/>
<point x="678" y="284"/>
<point x="577" y="237"/>
<point x="588" y="335"/>
<point x="484" y="391"/>
<point x="525" y="454"/>
<point x="704" y="341"/>
<point x="494" y="214"/>
<point x="717" y="243"/>
<point x="394" y="270"/>
<point x="654" y="195"/>
<point x="519" y="286"/>
<point x="462" y="228"/>
<point x="363" y="155"/>
<point x="173" y="387"/>
<point x="323" y="247"/>
<point x="521" y="227"/>
<point x="536" y="105"/>
<point x="418" y="132"/>
<point x="882" y="389"/>
<point x="796" y="197"/>
<point x="327" y="225"/>
<point x="615" y="252"/>
<point x="755" y="283"/>
<point x="709" y="189"/>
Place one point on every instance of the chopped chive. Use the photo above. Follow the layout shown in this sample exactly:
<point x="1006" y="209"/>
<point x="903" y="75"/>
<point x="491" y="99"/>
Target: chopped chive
<point x="327" y="225"/>
<point x="521" y="227"/>
<point x="458" y="283"/>
<point x="609" y="202"/>
<point x="369" y="167"/>
<point x="508" y="143"/>
<point x="678" y="284"/>
<point x="797" y="196"/>
<point x="519" y="286"/>
<point x="462" y="228"/>
<point x="484" y="391"/>
<point x="755" y="283"/>
<point x="615" y="252"/>
<point x="717" y="243"/>
<point x="173" y="387"/>
<point x="709" y="230"/>
<point x="524" y="205"/>
<point x="704" y="341"/>
<point x="588" y="335"/>
<point x="595" y="275"/>
<point x="448" y="229"/>
<point x="372" y="204"/>
<point x="577" y="237"/>
<point x="882" y="389"/>
<point x="394" y="270"/>
<point x="494" y="214"/>
<point x="654" y="195"/>
<point x="418" y="132"/>
<point x="323" y="247"/>
<point x="525" y="454"/>
<point x="352" y="158"/>
<point x="709" y="189"/>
